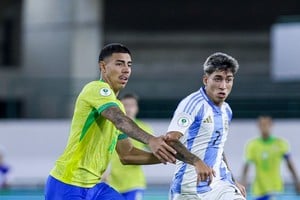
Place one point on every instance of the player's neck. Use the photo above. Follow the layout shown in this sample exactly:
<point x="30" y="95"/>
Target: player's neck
<point x="267" y="138"/>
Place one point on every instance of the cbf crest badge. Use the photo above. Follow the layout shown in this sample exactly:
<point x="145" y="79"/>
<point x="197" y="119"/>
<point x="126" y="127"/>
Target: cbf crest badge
<point x="105" y="92"/>
<point x="183" y="121"/>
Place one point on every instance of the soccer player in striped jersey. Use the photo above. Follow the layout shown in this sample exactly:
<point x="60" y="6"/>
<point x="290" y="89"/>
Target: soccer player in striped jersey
<point x="198" y="132"/>
<point x="98" y="128"/>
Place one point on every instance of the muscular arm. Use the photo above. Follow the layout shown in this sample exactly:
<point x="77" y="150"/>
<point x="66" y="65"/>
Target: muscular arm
<point x="158" y="146"/>
<point x="129" y="155"/>
<point x="183" y="153"/>
<point x="294" y="173"/>
<point x="125" y="124"/>
<point x="244" y="178"/>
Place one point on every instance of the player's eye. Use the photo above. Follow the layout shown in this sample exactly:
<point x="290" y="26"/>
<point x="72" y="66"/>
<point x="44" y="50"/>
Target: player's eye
<point x="217" y="79"/>
<point x="229" y="80"/>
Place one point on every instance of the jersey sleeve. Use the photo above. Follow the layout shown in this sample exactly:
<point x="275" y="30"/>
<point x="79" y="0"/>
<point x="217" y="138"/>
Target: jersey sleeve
<point x="285" y="148"/>
<point x="99" y="97"/>
<point x="229" y="112"/>
<point x="182" y="120"/>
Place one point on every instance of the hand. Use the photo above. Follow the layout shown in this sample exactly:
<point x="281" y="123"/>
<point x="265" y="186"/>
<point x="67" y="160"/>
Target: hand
<point x="204" y="172"/>
<point x="162" y="150"/>
<point x="241" y="188"/>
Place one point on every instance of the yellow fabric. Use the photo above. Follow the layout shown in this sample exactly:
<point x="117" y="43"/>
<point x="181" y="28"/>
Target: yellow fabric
<point x="267" y="157"/>
<point x="128" y="177"/>
<point x="92" y="138"/>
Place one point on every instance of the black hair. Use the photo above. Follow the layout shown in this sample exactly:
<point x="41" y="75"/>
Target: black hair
<point x="109" y="49"/>
<point x="220" y="61"/>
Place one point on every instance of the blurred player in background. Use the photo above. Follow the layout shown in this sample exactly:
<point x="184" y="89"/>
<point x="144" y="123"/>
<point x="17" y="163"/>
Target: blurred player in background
<point x="198" y="131"/>
<point x="4" y="169"/>
<point x="97" y="129"/>
<point x="129" y="180"/>
<point x="266" y="153"/>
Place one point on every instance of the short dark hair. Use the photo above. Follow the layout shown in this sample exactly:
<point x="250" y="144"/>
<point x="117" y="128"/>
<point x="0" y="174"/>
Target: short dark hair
<point x="220" y="61"/>
<point x="264" y="116"/>
<point x="129" y="96"/>
<point x="109" y="49"/>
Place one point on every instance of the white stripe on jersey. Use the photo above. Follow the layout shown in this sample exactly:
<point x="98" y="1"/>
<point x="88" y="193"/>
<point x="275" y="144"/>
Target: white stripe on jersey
<point x="204" y="127"/>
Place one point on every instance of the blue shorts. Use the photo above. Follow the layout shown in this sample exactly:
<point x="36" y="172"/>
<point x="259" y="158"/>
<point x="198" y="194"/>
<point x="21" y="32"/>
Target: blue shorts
<point x="136" y="194"/>
<point x="57" y="190"/>
<point x="267" y="197"/>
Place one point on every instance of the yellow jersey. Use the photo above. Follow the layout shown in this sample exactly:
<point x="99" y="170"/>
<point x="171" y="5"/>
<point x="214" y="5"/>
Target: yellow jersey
<point x="92" y="138"/>
<point x="267" y="156"/>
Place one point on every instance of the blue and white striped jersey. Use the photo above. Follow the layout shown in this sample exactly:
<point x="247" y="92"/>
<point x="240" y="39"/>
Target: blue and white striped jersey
<point x="205" y="128"/>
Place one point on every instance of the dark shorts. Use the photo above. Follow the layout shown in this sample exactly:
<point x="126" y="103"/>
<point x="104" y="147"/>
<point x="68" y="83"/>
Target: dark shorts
<point x="57" y="190"/>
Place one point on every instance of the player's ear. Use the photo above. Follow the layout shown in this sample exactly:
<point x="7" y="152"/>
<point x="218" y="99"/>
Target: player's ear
<point x="102" y="66"/>
<point x="204" y="79"/>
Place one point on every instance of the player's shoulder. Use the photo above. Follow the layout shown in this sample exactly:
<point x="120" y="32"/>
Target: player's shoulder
<point x="96" y="84"/>
<point x="193" y="98"/>
<point x="253" y="142"/>
<point x="281" y="140"/>
<point x="226" y="105"/>
<point x="99" y="87"/>
<point x="191" y="102"/>
<point x="195" y="95"/>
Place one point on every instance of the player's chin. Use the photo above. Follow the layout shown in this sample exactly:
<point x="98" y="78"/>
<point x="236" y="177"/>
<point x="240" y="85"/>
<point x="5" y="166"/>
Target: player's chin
<point x="122" y="86"/>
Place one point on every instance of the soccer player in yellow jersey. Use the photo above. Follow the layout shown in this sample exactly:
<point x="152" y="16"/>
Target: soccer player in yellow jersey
<point x="266" y="154"/>
<point x="129" y="180"/>
<point x="98" y="128"/>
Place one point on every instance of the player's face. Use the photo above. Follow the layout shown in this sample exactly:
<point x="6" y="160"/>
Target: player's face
<point x="116" y="70"/>
<point x="265" y="124"/>
<point x="218" y="85"/>
<point x="131" y="107"/>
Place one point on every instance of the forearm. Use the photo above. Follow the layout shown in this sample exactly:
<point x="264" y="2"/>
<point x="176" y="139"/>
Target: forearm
<point x="126" y="125"/>
<point x="244" y="174"/>
<point x="293" y="171"/>
<point x="183" y="154"/>
<point x="132" y="130"/>
<point x="139" y="157"/>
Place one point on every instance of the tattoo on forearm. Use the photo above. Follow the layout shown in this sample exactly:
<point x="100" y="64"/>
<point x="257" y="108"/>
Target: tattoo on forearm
<point x="125" y="124"/>
<point x="183" y="153"/>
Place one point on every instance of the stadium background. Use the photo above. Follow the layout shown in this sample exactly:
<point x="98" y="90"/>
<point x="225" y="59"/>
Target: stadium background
<point x="49" y="50"/>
